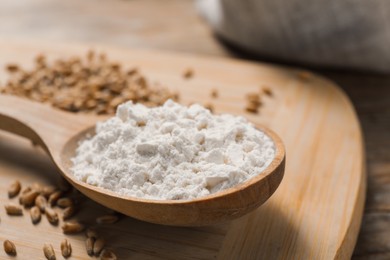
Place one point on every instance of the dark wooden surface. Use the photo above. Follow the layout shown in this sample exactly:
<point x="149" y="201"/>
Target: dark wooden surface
<point x="175" y="26"/>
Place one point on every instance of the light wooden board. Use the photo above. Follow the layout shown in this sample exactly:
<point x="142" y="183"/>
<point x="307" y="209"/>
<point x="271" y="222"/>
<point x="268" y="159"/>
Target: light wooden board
<point x="315" y="213"/>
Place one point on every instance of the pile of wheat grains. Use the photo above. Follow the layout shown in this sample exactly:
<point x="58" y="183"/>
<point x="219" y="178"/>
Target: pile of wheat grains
<point x="94" y="84"/>
<point x="254" y="99"/>
<point x="84" y="84"/>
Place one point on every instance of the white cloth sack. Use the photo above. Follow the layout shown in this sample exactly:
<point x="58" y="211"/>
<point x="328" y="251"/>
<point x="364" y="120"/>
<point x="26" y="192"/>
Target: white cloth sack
<point x="333" y="33"/>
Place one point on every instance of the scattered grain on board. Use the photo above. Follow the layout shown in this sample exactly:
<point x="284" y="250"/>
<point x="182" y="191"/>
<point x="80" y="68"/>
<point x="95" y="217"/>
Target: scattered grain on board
<point x="48" y="251"/>
<point x="54" y="197"/>
<point x="252" y="108"/>
<point x="35" y="214"/>
<point x="98" y="246"/>
<point x="92" y="84"/>
<point x="66" y="248"/>
<point x="214" y="93"/>
<point x="108" y="254"/>
<point x="28" y="199"/>
<point x="91" y="233"/>
<point x="72" y="227"/>
<point x="253" y="97"/>
<point x="9" y="248"/>
<point x="13" y="209"/>
<point x="188" y="73"/>
<point x="48" y="190"/>
<point x="267" y="91"/>
<point x="253" y="102"/>
<point x="11" y="67"/>
<point x="304" y="75"/>
<point x="64" y="202"/>
<point x="209" y="106"/>
<point x="51" y="216"/>
<point x="37" y="187"/>
<point x="68" y="212"/>
<point x="41" y="202"/>
<point x="27" y="189"/>
<point x="107" y="219"/>
<point x="14" y="189"/>
<point x="94" y="244"/>
<point x="89" y="245"/>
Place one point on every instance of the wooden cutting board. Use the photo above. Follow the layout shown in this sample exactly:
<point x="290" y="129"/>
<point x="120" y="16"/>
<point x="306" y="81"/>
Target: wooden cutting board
<point x="314" y="214"/>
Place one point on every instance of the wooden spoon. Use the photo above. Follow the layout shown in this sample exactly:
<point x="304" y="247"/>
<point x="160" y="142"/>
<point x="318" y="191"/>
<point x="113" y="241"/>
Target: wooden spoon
<point x="59" y="132"/>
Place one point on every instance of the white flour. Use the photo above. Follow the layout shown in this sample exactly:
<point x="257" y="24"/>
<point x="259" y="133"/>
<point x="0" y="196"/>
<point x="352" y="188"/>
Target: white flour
<point x="171" y="152"/>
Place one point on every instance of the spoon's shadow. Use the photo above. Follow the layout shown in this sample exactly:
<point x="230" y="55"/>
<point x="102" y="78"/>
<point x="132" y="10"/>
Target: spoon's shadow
<point x="20" y="154"/>
<point x="248" y="235"/>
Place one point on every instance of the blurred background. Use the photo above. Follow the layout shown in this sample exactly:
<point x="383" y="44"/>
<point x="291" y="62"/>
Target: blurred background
<point x="346" y="41"/>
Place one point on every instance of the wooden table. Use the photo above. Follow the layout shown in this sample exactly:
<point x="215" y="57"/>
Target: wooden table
<point x="175" y="26"/>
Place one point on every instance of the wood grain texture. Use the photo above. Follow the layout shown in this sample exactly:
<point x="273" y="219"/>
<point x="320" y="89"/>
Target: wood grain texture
<point x="316" y="212"/>
<point x="151" y="24"/>
<point x="371" y="97"/>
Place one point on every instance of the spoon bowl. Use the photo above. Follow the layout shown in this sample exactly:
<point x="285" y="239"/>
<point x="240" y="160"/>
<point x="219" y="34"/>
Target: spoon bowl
<point x="59" y="133"/>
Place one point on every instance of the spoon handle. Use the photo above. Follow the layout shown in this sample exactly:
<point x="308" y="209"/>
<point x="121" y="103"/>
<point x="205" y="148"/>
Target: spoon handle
<point x="38" y="122"/>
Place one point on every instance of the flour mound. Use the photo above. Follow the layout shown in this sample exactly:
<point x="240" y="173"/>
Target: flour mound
<point x="171" y="152"/>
